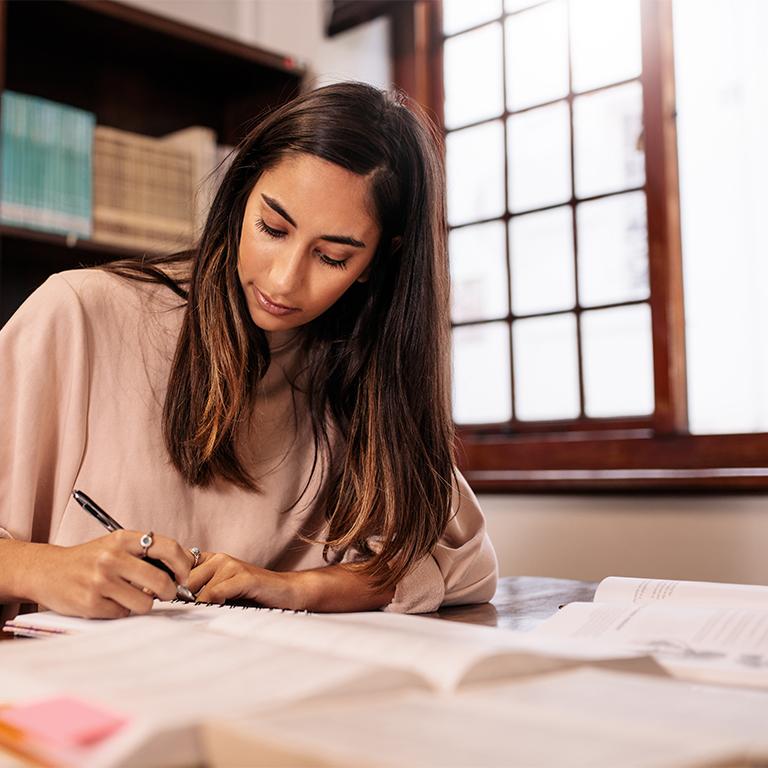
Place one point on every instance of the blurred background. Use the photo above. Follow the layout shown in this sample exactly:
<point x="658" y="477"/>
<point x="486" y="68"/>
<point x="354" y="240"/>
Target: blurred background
<point x="606" y="165"/>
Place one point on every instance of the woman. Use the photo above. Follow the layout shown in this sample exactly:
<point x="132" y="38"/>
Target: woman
<point x="277" y="398"/>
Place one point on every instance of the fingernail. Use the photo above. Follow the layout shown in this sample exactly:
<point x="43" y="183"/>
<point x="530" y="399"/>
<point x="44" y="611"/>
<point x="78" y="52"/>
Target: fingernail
<point x="185" y="593"/>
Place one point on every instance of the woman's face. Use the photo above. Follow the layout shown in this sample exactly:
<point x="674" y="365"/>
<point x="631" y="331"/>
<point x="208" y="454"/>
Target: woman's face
<point x="307" y="235"/>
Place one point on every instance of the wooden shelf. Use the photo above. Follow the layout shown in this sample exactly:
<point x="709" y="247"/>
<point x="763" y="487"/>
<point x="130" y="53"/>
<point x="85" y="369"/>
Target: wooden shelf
<point x="134" y="70"/>
<point x="78" y="245"/>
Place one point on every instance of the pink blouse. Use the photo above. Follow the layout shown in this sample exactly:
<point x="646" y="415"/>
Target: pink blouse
<point x="83" y="369"/>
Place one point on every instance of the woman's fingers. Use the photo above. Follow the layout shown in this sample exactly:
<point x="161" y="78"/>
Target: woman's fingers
<point x="129" y="596"/>
<point x="217" y="591"/>
<point x="201" y="575"/>
<point x="163" y="548"/>
<point x="142" y="574"/>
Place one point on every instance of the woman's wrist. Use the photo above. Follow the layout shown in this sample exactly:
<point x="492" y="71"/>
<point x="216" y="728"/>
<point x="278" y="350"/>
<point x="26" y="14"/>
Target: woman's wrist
<point x="20" y="572"/>
<point x="336" y="589"/>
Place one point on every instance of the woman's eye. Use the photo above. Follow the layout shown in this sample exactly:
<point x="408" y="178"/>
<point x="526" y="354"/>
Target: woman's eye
<point x="264" y="227"/>
<point x="276" y="233"/>
<point x="332" y="262"/>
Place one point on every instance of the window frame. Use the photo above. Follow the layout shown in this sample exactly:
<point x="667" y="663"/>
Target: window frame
<point x="645" y="453"/>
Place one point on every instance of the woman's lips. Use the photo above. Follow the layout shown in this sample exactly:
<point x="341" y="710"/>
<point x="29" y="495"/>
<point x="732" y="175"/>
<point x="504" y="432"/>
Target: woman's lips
<point x="271" y="307"/>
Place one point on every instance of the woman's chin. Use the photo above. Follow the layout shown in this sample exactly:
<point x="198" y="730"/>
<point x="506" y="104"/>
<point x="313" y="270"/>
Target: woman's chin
<point x="268" y="322"/>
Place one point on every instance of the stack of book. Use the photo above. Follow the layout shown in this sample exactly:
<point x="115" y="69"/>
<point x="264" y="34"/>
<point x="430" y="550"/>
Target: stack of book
<point x="46" y="165"/>
<point x="63" y="173"/>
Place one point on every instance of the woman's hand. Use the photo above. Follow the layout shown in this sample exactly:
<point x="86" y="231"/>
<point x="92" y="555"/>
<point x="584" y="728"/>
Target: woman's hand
<point x="219" y="577"/>
<point x="103" y="578"/>
<point x="331" y="588"/>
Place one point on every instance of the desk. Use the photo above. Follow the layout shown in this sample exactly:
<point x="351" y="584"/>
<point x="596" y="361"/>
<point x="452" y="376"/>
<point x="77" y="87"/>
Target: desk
<point x="521" y="602"/>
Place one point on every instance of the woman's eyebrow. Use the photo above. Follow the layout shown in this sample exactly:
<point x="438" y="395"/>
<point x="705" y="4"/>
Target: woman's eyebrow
<point x="341" y="239"/>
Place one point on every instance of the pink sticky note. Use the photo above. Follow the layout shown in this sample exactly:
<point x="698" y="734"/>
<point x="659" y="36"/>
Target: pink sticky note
<point x="66" y="720"/>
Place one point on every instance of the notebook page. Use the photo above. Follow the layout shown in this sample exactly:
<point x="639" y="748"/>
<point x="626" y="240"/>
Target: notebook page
<point x="630" y="590"/>
<point x="50" y="622"/>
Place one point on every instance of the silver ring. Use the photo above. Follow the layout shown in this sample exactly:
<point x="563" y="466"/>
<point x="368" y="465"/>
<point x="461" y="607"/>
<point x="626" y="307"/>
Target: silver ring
<point x="196" y="554"/>
<point x="146" y="542"/>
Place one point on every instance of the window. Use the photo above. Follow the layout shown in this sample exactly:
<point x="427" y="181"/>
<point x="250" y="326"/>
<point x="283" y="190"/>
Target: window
<point x="547" y="209"/>
<point x="565" y="245"/>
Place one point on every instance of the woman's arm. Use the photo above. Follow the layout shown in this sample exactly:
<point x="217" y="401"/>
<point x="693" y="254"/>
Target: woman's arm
<point x="462" y="568"/>
<point x="45" y="374"/>
<point x="330" y="589"/>
<point x="104" y="578"/>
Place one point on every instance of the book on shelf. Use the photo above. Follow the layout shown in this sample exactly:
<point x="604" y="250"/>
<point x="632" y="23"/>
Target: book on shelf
<point x="210" y="162"/>
<point x="45" y="156"/>
<point x="703" y="631"/>
<point x="63" y="173"/>
<point x="143" y="191"/>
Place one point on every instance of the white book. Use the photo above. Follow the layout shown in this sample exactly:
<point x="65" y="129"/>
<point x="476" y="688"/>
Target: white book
<point x="588" y="717"/>
<point x="704" y="631"/>
<point x="173" y="669"/>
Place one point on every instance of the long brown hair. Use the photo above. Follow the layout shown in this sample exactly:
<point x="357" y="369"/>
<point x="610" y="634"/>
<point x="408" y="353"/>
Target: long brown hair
<point x="378" y="360"/>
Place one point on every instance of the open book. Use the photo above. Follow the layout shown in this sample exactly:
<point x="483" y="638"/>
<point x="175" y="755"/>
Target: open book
<point x="576" y="717"/>
<point x="169" y="671"/>
<point x="702" y="631"/>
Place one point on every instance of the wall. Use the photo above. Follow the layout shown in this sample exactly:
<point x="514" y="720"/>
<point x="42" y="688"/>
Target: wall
<point x="292" y="27"/>
<point x="708" y="537"/>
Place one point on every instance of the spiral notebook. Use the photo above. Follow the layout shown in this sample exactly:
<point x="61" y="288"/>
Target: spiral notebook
<point x="52" y="624"/>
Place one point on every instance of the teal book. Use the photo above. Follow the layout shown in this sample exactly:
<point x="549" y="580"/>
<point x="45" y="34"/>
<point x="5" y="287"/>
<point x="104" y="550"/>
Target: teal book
<point x="46" y="161"/>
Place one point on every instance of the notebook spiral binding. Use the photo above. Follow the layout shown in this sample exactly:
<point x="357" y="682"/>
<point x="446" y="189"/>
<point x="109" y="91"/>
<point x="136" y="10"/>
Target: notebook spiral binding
<point x="243" y="605"/>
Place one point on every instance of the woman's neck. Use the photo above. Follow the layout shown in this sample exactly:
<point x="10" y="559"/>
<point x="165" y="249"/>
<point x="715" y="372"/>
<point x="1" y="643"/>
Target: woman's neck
<point x="280" y="341"/>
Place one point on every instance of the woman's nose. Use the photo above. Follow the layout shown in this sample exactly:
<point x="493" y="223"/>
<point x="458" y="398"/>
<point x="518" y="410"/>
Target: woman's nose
<point x="287" y="273"/>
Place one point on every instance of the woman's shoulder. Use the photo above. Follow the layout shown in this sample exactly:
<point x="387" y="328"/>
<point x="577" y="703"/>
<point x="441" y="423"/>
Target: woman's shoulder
<point x="107" y="308"/>
<point x="102" y="290"/>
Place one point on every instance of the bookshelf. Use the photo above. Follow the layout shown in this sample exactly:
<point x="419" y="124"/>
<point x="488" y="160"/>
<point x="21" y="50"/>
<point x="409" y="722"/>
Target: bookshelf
<point x="136" y="71"/>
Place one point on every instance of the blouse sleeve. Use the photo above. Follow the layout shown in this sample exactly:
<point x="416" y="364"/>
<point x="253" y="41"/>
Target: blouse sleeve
<point x="462" y="567"/>
<point x="44" y="379"/>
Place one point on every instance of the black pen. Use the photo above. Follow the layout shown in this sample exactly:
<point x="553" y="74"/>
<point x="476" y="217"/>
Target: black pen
<point x="92" y="508"/>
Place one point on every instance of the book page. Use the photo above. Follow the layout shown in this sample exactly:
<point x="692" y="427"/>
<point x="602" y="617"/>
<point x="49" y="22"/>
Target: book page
<point x="732" y="643"/>
<point x="629" y="590"/>
<point x="169" y="672"/>
<point x="445" y="653"/>
<point x="580" y="717"/>
<point x="166" y="676"/>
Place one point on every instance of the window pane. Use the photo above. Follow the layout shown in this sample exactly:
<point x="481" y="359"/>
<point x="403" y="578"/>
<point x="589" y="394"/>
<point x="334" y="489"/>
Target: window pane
<point x="539" y="157"/>
<point x="537" y="55"/>
<point x="481" y="379"/>
<point x="613" y="249"/>
<point x="475" y="170"/>
<point x="541" y="261"/>
<point x="459" y="14"/>
<point x="607" y="128"/>
<point x="546" y="367"/>
<point x="618" y="361"/>
<point x="478" y="274"/>
<point x="721" y="74"/>
<point x="475" y="92"/>
<point x="605" y="42"/>
<point x="510" y="6"/>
